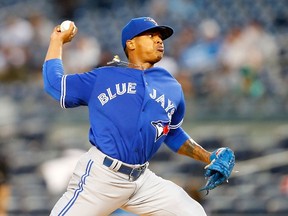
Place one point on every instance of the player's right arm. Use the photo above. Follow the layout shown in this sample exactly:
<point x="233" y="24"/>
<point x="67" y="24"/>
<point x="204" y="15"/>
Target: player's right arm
<point x="70" y="90"/>
<point x="58" y="39"/>
<point x="53" y="70"/>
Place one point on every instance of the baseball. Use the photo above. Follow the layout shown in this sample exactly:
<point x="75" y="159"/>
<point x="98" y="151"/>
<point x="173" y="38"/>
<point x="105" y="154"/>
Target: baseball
<point x="65" y="25"/>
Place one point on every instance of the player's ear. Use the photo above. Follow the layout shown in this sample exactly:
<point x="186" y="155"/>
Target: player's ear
<point x="130" y="44"/>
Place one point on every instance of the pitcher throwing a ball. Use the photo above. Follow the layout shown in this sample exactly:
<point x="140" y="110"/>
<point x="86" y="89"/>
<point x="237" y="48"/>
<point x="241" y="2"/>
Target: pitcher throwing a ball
<point x="133" y="108"/>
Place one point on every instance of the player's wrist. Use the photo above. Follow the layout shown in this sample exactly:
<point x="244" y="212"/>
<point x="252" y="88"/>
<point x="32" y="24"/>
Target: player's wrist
<point x="56" y="41"/>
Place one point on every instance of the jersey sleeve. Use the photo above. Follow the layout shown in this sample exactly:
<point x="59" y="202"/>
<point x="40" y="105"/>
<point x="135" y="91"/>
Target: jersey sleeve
<point x="176" y="138"/>
<point x="52" y="72"/>
<point x="70" y="90"/>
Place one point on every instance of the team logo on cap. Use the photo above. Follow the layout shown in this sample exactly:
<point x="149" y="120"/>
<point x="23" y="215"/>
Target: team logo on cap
<point x="162" y="128"/>
<point x="151" y="20"/>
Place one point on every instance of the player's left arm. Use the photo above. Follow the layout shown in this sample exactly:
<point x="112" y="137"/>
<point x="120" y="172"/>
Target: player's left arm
<point x="192" y="149"/>
<point x="180" y="142"/>
<point x="220" y="162"/>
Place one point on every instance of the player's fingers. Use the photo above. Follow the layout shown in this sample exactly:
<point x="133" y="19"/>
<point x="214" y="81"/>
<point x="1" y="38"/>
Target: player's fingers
<point x="72" y="31"/>
<point x="75" y="30"/>
<point x="72" y="27"/>
<point x="57" y="28"/>
<point x="56" y="33"/>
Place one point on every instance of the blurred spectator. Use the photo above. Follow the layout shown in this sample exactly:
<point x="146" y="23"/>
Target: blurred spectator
<point x="249" y="56"/>
<point x="284" y="185"/>
<point x="18" y="32"/>
<point x="181" y="10"/>
<point x="61" y="167"/>
<point x="13" y="45"/>
<point x="231" y="56"/>
<point x="84" y="54"/>
<point x="261" y="61"/>
<point x="201" y="57"/>
<point x="182" y="40"/>
<point x="4" y="186"/>
<point x="159" y="9"/>
<point x="170" y="64"/>
<point x="42" y="27"/>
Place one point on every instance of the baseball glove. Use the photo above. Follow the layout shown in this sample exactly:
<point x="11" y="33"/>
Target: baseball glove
<point x="220" y="168"/>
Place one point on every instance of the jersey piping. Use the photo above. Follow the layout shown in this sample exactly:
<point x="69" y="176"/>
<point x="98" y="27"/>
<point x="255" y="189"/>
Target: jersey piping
<point x="176" y="126"/>
<point x="63" y="92"/>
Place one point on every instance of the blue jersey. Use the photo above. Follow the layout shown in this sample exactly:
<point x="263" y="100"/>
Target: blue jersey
<point x="132" y="112"/>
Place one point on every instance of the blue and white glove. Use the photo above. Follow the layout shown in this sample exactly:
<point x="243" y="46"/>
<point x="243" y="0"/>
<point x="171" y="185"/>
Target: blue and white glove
<point x="220" y="168"/>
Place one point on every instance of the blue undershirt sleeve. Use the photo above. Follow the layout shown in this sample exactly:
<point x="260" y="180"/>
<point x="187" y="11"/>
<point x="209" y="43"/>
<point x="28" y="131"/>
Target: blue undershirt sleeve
<point x="52" y="75"/>
<point x="176" y="138"/>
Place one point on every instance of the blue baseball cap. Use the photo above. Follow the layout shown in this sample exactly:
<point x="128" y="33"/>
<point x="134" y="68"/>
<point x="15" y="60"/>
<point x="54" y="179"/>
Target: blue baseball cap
<point x="139" y="25"/>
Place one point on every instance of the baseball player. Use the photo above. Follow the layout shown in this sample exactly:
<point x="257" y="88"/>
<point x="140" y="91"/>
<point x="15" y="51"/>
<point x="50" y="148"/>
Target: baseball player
<point x="133" y="108"/>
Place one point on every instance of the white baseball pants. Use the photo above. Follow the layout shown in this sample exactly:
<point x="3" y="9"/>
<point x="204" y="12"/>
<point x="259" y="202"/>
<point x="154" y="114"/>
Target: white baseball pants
<point x="96" y="190"/>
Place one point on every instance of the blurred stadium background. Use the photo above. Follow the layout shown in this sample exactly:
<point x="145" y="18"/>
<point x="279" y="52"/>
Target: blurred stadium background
<point x="230" y="57"/>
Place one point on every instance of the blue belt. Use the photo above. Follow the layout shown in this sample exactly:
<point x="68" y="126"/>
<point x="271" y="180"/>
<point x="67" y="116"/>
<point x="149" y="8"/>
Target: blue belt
<point x="133" y="173"/>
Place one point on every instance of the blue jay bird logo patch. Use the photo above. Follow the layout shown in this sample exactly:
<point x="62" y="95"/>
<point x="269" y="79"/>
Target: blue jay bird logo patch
<point x="162" y="128"/>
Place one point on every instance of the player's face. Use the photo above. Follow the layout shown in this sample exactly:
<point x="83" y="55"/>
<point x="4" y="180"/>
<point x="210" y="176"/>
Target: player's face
<point x="149" y="47"/>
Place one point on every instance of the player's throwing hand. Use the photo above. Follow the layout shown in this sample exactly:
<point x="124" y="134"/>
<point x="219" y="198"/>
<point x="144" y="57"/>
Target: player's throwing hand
<point x="64" y="36"/>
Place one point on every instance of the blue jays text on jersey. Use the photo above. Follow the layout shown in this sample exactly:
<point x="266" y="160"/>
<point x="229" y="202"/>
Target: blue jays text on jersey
<point x="132" y="112"/>
<point x="130" y="88"/>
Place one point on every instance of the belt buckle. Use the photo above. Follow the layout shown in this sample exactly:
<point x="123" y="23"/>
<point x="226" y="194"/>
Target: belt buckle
<point x="131" y="178"/>
<point x="140" y="169"/>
